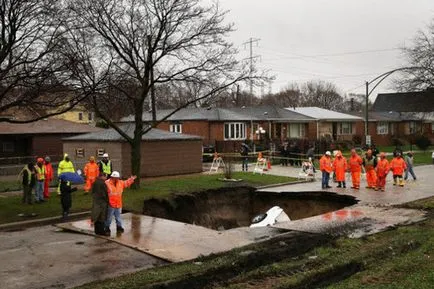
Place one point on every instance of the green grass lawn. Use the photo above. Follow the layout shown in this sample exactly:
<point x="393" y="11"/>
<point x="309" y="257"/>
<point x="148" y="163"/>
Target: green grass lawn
<point x="8" y="186"/>
<point x="133" y="199"/>
<point x="399" y="258"/>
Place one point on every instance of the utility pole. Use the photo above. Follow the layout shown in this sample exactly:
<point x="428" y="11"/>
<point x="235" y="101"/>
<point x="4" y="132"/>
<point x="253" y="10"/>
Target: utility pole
<point x="251" y="58"/>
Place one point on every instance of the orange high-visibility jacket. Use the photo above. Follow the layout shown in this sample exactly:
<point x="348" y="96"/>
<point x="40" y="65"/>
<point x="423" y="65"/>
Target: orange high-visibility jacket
<point x="325" y="164"/>
<point x="91" y="170"/>
<point x="356" y="164"/>
<point x="340" y="166"/>
<point x="398" y="166"/>
<point x="49" y="173"/>
<point x="115" y="191"/>
<point x="383" y="167"/>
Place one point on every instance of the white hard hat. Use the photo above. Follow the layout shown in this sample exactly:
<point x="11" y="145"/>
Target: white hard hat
<point x="328" y="153"/>
<point x="115" y="174"/>
<point x="105" y="155"/>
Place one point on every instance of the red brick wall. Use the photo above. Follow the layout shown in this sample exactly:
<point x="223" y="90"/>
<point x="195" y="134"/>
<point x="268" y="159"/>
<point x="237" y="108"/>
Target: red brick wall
<point x="158" y="158"/>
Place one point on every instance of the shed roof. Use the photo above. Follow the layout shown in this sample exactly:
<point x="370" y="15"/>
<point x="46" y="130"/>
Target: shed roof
<point x="112" y="135"/>
<point x="324" y="114"/>
<point x="416" y="101"/>
<point x="47" y="126"/>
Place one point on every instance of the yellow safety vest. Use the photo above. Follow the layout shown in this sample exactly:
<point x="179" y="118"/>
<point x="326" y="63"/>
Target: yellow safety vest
<point x="106" y="168"/>
<point x="40" y="173"/>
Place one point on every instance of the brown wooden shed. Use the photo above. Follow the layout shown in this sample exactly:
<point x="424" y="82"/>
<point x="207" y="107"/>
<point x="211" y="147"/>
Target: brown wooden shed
<point x="163" y="153"/>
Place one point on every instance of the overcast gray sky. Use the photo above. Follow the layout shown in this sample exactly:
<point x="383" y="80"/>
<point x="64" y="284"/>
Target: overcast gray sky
<point x="343" y="41"/>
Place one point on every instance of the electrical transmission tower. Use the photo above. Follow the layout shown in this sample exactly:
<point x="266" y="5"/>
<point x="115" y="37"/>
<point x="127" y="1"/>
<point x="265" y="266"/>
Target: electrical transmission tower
<point x="251" y="58"/>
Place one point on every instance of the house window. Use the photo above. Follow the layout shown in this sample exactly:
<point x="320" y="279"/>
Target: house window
<point x="297" y="130"/>
<point x="414" y="127"/>
<point x="235" y="131"/>
<point x="382" y="127"/>
<point x="79" y="152"/>
<point x="90" y="116"/>
<point x="80" y="116"/>
<point x="100" y="152"/>
<point x="345" y="128"/>
<point x="177" y="127"/>
<point x="8" y="147"/>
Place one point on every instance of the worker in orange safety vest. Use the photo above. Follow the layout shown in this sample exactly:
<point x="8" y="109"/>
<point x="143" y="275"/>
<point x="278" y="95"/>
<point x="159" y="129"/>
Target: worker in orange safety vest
<point x="91" y="171"/>
<point x="49" y="175"/>
<point x="398" y="166"/>
<point x="355" y="164"/>
<point x="340" y="167"/>
<point x="326" y="167"/>
<point x="382" y="171"/>
<point x="115" y="188"/>
<point x="369" y="163"/>
<point x="40" y="179"/>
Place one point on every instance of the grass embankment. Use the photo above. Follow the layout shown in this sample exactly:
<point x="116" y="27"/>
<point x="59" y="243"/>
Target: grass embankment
<point x="11" y="206"/>
<point x="398" y="258"/>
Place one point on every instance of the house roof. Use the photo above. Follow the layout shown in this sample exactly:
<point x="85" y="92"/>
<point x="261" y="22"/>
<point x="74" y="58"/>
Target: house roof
<point x="112" y="135"/>
<point x="47" y="126"/>
<point x="380" y="116"/>
<point x="258" y="113"/>
<point x="418" y="101"/>
<point x="324" y="114"/>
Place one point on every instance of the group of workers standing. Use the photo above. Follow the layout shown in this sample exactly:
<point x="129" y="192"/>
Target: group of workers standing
<point x="376" y="169"/>
<point x="105" y="184"/>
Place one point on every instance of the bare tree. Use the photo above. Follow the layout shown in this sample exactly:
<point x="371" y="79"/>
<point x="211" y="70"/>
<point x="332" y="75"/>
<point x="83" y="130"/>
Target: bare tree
<point x="32" y="71"/>
<point x="149" y="43"/>
<point x="321" y="94"/>
<point x="420" y="58"/>
<point x="290" y="96"/>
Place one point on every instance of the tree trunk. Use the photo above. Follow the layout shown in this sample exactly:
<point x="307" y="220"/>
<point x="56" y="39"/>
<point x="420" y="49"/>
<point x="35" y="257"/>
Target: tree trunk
<point x="136" y="144"/>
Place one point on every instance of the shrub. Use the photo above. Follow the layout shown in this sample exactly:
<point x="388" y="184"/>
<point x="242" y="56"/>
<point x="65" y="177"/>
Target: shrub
<point x="357" y="139"/>
<point x="422" y="142"/>
<point x="397" y="142"/>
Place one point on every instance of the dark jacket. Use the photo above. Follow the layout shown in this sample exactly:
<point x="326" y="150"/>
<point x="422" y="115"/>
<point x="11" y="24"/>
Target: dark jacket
<point x="100" y="201"/>
<point x="29" y="179"/>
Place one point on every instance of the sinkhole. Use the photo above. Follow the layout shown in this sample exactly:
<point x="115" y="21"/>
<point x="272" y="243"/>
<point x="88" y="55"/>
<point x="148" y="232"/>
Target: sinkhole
<point x="228" y="208"/>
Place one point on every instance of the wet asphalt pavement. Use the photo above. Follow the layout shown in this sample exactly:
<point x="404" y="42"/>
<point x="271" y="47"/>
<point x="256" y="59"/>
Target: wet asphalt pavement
<point x="46" y="257"/>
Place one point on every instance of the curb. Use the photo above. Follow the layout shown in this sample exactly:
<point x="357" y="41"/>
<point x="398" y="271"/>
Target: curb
<point x="15" y="226"/>
<point x="282" y="184"/>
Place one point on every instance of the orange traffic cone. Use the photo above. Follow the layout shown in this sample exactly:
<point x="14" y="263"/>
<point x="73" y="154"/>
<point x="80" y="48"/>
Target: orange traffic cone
<point x="269" y="164"/>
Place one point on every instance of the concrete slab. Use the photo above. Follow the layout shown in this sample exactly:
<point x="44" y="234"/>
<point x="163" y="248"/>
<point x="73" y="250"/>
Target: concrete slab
<point x="355" y="221"/>
<point x="175" y="241"/>
<point x="47" y="257"/>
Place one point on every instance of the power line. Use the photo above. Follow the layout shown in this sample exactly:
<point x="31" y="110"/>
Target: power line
<point x="301" y="56"/>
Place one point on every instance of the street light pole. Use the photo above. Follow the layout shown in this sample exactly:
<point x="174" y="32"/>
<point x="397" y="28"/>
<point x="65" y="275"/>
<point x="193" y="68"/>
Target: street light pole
<point x="379" y="79"/>
<point x="366" y="109"/>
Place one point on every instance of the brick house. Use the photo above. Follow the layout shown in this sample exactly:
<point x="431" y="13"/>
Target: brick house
<point x="163" y="153"/>
<point x="38" y="138"/>
<point x="330" y="124"/>
<point x="404" y="114"/>
<point x="226" y="128"/>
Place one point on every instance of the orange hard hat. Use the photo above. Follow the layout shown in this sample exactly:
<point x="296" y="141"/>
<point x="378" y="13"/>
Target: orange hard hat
<point x="40" y="160"/>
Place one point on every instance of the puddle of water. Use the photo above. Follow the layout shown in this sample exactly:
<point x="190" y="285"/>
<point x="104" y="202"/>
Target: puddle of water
<point x="228" y="208"/>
